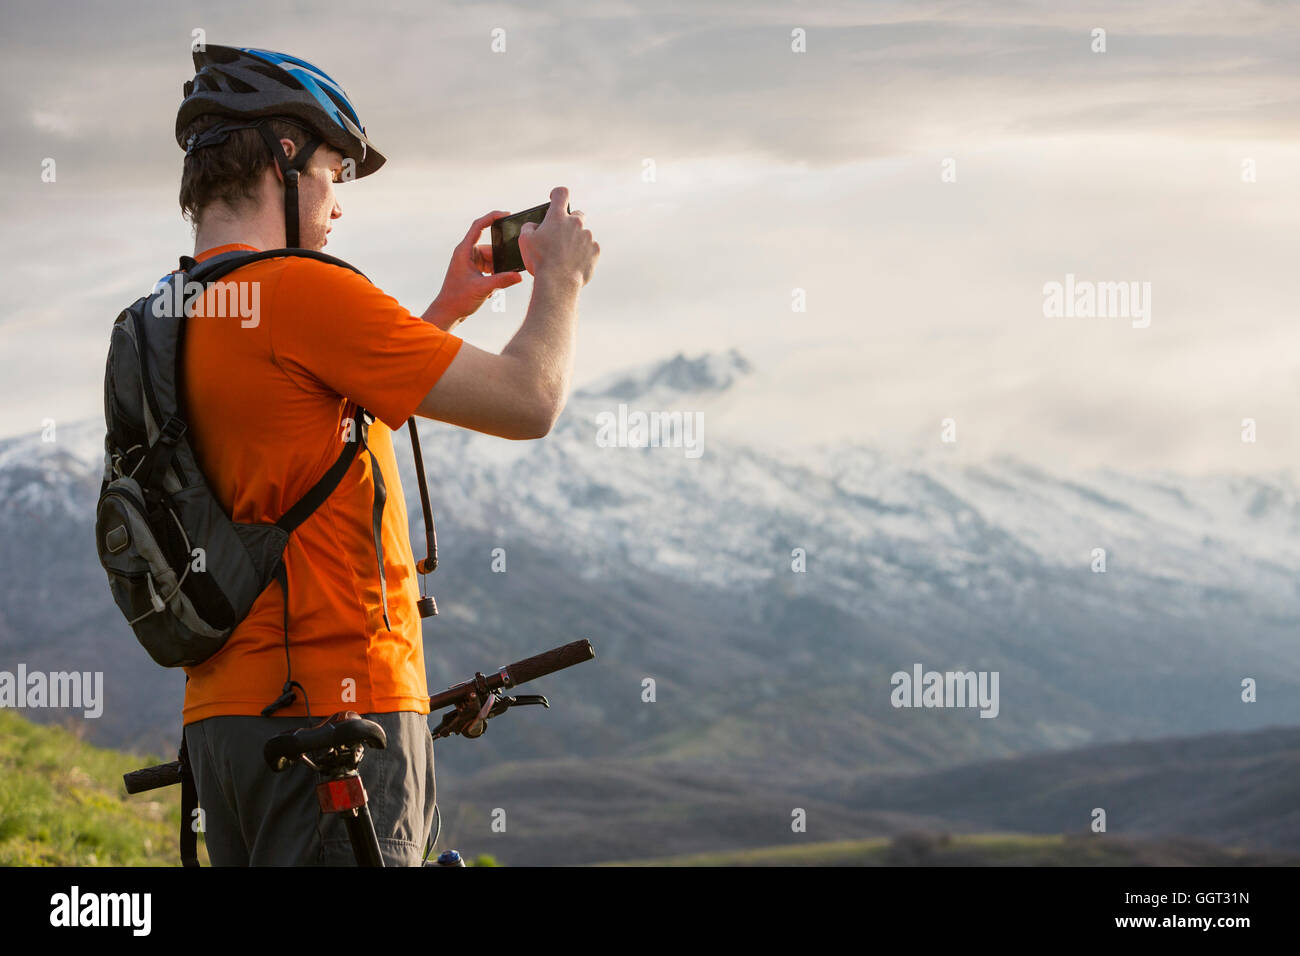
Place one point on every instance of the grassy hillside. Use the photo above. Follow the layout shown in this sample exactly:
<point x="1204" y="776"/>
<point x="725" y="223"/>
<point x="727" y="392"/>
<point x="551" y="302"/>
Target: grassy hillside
<point x="62" y="803"/>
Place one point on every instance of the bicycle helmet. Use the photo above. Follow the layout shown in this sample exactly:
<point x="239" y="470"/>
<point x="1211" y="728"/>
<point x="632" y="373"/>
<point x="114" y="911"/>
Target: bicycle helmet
<point x="243" y="83"/>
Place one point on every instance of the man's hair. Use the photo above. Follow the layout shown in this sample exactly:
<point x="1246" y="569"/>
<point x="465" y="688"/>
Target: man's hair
<point x="229" y="172"/>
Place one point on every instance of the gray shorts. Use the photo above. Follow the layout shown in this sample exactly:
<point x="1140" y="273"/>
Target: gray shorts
<point x="254" y="817"/>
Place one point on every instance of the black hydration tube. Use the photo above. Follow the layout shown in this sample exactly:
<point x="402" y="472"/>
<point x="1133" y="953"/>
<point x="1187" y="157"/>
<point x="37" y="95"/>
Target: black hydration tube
<point x="426" y="565"/>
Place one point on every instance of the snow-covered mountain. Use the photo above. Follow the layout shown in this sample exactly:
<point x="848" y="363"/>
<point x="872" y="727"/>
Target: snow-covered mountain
<point x="866" y="522"/>
<point x="683" y="567"/>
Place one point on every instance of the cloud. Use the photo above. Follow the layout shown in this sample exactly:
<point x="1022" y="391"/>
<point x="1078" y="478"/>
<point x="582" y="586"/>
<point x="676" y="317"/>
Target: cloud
<point x="773" y="171"/>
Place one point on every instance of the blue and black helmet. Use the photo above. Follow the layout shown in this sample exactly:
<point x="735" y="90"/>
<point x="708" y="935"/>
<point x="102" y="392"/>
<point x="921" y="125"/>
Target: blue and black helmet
<point x="249" y="84"/>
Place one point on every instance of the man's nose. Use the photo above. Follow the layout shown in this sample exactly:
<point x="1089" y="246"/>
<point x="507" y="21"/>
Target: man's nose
<point x="336" y="211"/>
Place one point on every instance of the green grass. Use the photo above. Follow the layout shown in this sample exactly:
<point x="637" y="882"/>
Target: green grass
<point x="842" y="853"/>
<point x="983" y="849"/>
<point x="62" y="803"/>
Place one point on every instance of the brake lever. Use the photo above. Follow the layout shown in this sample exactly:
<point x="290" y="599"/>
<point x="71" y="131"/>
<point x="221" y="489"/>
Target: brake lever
<point x="462" y="720"/>
<point x="505" y="703"/>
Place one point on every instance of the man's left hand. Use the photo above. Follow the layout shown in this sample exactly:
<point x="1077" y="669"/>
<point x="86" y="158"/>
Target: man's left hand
<point x="466" y="287"/>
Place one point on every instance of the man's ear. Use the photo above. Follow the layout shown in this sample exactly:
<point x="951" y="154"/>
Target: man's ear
<point x="289" y="151"/>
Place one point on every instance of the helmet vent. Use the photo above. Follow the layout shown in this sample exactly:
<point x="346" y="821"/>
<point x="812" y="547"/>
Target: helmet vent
<point x="239" y="86"/>
<point x="341" y="104"/>
<point x="274" y="73"/>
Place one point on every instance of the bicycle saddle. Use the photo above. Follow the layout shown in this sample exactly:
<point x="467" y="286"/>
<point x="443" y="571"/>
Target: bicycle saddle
<point x="344" y="729"/>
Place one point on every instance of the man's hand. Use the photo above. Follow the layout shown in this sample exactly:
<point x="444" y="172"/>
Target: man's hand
<point x="560" y="245"/>
<point x="465" y="287"/>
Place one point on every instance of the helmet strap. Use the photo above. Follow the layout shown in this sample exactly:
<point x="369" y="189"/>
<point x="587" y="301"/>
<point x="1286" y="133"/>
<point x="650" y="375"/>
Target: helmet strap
<point x="290" y="170"/>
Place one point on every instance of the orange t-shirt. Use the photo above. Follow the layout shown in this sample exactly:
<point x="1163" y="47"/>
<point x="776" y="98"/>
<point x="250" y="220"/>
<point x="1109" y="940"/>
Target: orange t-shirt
<point x="268" y="398"/>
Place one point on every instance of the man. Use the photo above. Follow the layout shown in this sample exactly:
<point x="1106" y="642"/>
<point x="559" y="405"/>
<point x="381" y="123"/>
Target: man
<point x="269" y="400"/>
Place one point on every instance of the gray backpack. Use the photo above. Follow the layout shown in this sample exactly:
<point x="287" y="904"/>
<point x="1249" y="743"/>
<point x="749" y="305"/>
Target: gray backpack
<point x="181" y="571"/>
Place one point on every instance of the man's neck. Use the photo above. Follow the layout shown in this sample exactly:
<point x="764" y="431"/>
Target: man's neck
<point x="217" y="231"/>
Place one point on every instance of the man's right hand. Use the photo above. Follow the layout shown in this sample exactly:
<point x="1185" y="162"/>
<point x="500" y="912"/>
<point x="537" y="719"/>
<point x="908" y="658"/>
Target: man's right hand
<point x="560" y="245"/>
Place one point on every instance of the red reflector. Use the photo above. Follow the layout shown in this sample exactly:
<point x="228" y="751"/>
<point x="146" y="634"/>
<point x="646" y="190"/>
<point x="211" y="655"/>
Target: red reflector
<point x="335" y="796"/>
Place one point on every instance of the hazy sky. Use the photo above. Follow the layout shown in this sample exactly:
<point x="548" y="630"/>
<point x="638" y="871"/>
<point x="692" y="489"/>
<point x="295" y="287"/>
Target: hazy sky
<point x="774" y="171"/>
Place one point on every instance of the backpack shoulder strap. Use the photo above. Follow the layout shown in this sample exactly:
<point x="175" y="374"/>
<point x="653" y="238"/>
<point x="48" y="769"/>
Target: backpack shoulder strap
<point x="325" y="486"/>
<point x="210" y="270"/>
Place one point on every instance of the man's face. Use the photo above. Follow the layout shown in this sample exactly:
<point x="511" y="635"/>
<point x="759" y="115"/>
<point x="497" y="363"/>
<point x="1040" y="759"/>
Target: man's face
<point x="317" y="205"/>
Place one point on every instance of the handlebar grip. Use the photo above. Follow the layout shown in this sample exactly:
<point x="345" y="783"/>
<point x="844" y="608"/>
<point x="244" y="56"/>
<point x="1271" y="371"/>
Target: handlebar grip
<point x="151" y="778"/>
<point x="531" y="668"/>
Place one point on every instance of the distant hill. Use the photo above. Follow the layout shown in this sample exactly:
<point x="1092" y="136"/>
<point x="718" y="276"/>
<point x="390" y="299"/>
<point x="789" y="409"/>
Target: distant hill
<point x="1236" y="791"/>
<point x="992" y="849"/>
<point x="1228" y="788"/>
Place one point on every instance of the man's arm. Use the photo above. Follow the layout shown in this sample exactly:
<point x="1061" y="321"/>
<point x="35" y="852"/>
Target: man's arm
<point x="520" y="393"/>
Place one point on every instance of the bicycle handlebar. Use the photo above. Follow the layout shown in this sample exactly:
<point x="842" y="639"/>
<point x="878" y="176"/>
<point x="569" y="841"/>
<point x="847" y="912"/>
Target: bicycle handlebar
<point x="151" y="778"/>
<point x="360" y="730"/>
<point x="548" y="662"/>
<point x="520" y="672"/>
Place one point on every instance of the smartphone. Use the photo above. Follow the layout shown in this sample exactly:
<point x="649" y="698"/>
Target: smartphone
<point x="505" y="238"/>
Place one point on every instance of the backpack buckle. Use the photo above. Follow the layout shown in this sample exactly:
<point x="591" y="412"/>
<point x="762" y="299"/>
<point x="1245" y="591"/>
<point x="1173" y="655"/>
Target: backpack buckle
<point x="159" y="454"/>
<point x="172" y="431"/>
